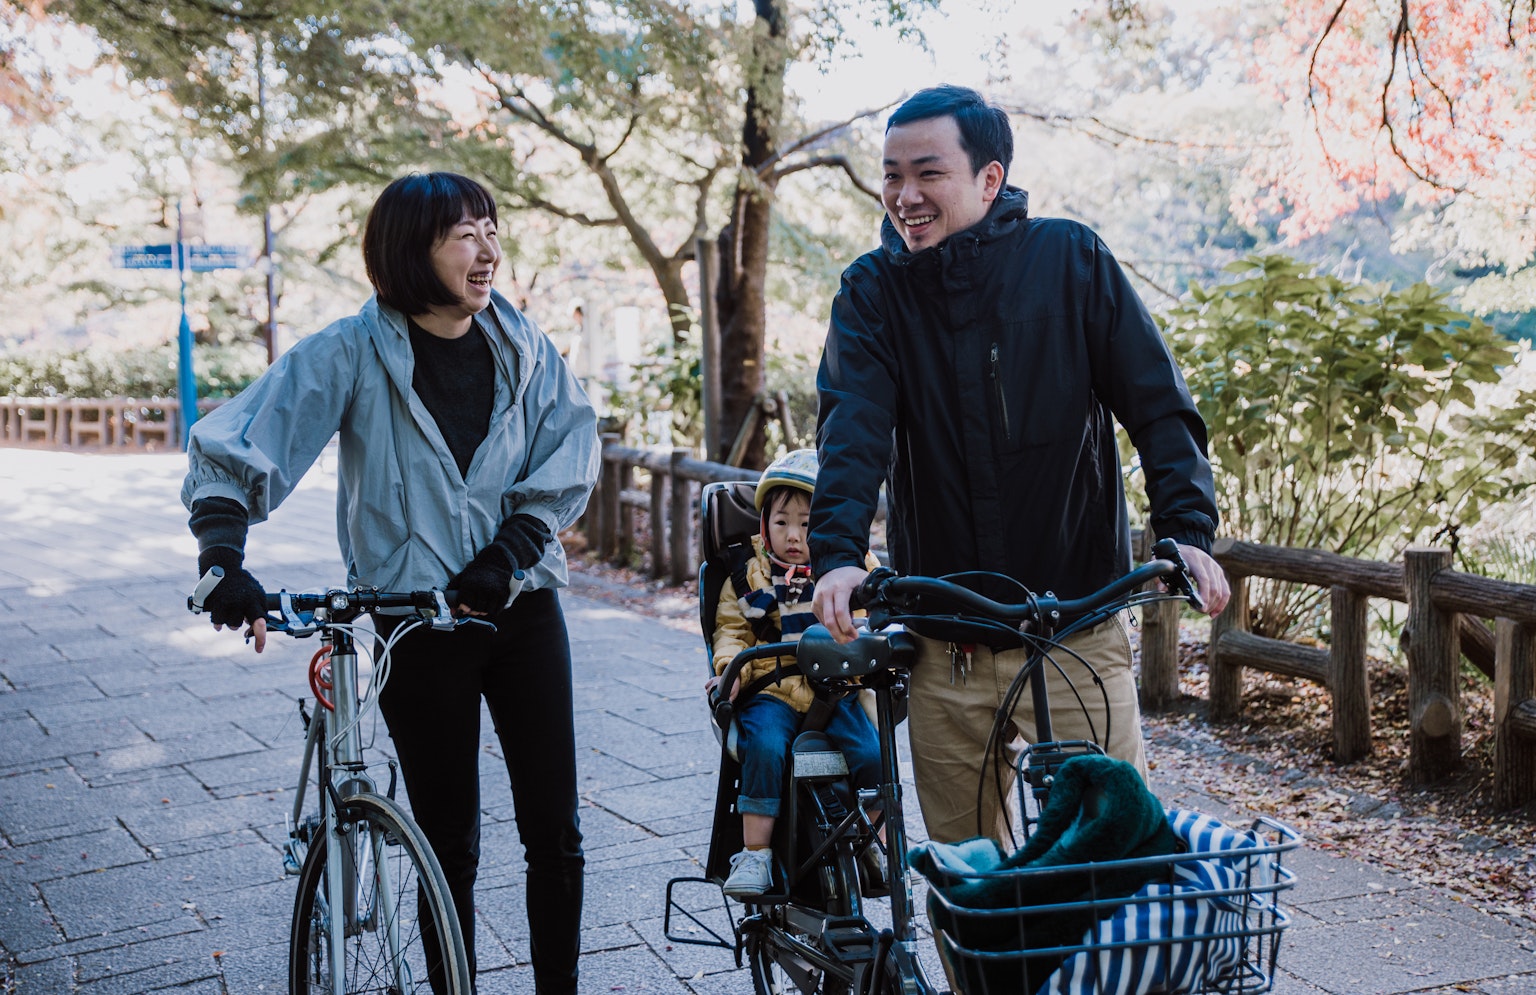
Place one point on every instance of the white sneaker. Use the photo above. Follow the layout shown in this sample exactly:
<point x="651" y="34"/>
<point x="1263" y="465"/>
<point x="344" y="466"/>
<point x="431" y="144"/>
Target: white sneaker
<point x="751" y="873"/>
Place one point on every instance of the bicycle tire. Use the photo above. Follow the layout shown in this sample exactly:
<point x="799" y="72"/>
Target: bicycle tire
<point x="416" y="890"/>
<point x="777" y="968"/>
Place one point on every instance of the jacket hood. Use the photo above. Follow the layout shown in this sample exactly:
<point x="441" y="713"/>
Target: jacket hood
<point x="1010" y="207"/>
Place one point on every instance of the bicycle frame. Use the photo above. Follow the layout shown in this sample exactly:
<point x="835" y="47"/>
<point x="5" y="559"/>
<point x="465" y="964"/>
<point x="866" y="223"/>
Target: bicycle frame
<point x="852" y="950"/>
<point x="359" y="894"/>
<point x="342" y="774"/>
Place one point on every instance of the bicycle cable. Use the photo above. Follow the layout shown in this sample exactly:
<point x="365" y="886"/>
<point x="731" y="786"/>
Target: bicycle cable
<point x="380" y="669"/>
<point x="1041" y="653"/>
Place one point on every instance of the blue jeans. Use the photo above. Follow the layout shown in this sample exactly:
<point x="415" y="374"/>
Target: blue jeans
<point x="768" y="727"/>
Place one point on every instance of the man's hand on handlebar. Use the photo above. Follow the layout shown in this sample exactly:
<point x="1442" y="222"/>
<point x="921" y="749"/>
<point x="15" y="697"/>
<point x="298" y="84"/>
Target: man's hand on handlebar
<point x="1210" y="580"/>
<point x="831" y="604"/>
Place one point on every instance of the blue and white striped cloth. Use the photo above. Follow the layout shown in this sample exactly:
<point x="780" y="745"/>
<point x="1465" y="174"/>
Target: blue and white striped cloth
<point x="1159" y="941"/>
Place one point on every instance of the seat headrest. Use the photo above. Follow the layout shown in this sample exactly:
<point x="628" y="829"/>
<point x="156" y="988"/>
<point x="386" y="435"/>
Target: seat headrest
<point x="727" y="516"/>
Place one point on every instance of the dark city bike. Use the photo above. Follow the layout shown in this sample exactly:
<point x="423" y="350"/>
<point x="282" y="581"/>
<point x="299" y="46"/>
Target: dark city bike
<point x="1202" y="920"/>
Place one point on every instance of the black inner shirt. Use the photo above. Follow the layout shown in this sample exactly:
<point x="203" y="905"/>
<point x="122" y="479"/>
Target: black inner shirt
<point x="456" y="380"/>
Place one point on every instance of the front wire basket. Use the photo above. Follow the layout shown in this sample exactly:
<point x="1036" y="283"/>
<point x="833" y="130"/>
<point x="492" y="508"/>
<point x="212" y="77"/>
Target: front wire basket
<point x="1205" y="921"/>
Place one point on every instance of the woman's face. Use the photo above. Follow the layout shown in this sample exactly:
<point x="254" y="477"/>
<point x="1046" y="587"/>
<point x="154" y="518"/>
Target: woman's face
<point x="465" y="259"/>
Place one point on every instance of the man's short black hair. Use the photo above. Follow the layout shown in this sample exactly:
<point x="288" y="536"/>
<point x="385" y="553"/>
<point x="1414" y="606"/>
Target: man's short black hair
<point x="985" y="134"/>
<point x="405" y="224"/>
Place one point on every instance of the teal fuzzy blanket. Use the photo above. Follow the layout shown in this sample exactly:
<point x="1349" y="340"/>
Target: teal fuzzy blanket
<point x="1099" y="810"/>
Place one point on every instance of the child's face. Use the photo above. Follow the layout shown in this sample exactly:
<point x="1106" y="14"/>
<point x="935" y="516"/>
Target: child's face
<point x="789" y="520"/>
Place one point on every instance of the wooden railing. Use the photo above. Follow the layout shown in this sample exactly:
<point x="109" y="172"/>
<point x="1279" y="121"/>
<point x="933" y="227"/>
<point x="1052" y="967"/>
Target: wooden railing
<point x="93" y="423"/>
<point x="670" y="500"/>
<point x="1444" y="608"/>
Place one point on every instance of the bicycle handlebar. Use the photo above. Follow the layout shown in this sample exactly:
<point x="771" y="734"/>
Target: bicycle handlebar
<point x="293" y="612"/>
<point x="884" y="589"/>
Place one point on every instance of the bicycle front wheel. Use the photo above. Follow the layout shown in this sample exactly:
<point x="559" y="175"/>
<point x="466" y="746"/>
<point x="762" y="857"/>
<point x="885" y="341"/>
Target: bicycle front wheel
<point x="393" y="921"/>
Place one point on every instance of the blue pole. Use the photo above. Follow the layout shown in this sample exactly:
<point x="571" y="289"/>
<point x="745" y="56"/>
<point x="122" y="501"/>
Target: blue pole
<point x="186" y="383"/>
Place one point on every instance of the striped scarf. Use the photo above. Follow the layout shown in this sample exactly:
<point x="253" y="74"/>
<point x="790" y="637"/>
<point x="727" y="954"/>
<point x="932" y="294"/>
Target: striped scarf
<point x="790" y="597"/>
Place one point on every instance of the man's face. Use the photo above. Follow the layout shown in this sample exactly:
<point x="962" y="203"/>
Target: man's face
<point x="930" y="192"/>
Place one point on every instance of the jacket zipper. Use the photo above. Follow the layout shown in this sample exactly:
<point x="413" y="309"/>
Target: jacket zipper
<point x="1002" y="397"/>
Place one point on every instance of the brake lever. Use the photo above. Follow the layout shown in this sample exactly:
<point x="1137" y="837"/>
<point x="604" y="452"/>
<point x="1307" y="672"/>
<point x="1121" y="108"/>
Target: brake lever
<point x="872" y="592"/>
<point x="1179" y="582"/>
<point x="292" y="622"/>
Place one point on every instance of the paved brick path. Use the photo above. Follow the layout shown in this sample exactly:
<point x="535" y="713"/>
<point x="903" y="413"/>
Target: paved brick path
<point x="146" y="763"/>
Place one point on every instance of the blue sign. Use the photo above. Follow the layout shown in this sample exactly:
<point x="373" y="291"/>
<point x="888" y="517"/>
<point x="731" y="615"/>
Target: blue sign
<point x="202" y="258"/>
<point x="144" y="257"/>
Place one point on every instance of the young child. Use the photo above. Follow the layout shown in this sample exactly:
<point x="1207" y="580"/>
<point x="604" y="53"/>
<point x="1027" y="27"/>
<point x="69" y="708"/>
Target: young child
<point x="777" y="607"/>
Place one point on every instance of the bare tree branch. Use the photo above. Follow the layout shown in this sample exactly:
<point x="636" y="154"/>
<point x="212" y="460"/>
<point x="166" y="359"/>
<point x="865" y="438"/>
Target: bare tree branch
<point x="1509" y="26"/>
<point x="580" y="217"/>
<point x="1404" y="42"/>
<point x="806" y="141"/>
<point x="515" y="101"/>
<point x="1148" y="280"/>
<point x="629" y="129"/>
<point x="840" y="161"/>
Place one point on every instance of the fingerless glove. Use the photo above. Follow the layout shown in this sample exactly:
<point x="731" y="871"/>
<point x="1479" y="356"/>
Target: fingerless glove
<point x="485" y="584"/>
<point x="220" y="526"/>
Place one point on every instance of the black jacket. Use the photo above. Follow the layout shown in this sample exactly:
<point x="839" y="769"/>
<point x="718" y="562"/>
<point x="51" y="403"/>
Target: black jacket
<point x="980" y="378"/>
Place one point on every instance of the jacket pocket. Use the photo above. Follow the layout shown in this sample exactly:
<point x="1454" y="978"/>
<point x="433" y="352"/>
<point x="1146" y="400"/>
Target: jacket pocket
<point x="1037" y="377"/>
<point x="1000" y="391"/>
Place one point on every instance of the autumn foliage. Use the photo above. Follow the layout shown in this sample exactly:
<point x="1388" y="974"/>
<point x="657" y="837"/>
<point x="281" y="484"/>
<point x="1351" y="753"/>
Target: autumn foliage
<point x="1419" y="98"/>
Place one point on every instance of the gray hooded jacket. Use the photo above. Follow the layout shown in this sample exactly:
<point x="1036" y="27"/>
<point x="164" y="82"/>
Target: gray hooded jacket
<point x="406" y="519"/>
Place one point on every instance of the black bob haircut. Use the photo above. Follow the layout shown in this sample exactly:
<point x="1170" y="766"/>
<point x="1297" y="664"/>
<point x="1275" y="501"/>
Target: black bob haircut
<point x="404" y="225"/>
<point x="985" y="134"/>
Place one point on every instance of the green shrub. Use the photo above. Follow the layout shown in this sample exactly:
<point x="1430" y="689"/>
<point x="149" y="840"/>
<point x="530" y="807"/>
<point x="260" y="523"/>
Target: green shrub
<point x="220" y="370"/>
<point x="664" y="404"/>
<point x="1345" y="417"/>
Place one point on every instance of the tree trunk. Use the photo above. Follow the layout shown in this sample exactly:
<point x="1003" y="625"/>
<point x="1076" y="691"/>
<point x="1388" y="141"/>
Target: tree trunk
<point x="741" y="290"/>
<point x="743" y="307"/>
<point x="669" y="277"/>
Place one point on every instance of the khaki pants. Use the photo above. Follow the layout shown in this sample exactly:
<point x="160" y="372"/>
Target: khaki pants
<point x="949" y="723"/>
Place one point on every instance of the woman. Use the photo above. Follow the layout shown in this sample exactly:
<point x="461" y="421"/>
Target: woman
<point x="465" y="447"/>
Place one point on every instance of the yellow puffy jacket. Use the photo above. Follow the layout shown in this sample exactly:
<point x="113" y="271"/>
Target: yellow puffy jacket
<point x="733" y="631"/>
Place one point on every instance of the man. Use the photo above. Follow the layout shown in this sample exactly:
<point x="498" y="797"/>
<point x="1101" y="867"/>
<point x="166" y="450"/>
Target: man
<point x="976" y="362"/>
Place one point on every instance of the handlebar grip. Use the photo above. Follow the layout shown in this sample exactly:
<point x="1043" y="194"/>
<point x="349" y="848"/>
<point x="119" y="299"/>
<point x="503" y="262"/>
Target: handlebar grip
<point x="724" y="712"/>
<point x="869" y="590"/>
<point x="205" y="586"/>
<point x="1180" y="582"/>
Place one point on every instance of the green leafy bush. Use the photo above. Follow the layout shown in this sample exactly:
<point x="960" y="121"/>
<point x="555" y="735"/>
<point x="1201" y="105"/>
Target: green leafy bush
<point x="220" y="370"/>
<point x="1346" y="417"/>
<point x="664" y="404"/>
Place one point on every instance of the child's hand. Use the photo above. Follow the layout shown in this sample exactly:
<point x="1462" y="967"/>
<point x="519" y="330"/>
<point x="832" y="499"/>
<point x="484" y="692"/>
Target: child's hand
<point x="714" y="682"/>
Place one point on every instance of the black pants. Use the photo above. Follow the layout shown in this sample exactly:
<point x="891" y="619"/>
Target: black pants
<point x="432" y="707"/>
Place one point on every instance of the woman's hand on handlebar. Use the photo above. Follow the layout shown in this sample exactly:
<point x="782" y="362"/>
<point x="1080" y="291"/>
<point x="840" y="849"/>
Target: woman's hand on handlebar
<point x="831" y="604"/>
<point x="1210" y="580"/>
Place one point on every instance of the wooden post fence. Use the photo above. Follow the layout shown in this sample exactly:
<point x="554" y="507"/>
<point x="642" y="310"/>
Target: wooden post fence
<point x="1444" y="612"/>
<point x="1444" y="608"/>
<point x="1434" y="662"/>
<point x="1159" y="646"/>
